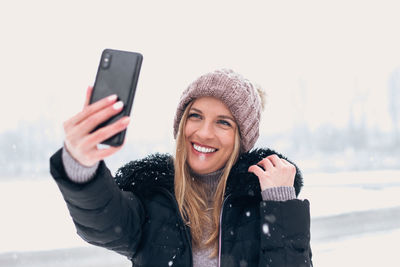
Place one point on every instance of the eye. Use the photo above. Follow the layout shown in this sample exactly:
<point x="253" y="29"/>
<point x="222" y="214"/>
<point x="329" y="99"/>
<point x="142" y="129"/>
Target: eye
<point x="224" y="122"/>
<point x="194" y="115"/>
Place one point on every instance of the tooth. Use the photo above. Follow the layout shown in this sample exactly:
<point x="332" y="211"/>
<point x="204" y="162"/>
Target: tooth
<point x="203" y="149"/>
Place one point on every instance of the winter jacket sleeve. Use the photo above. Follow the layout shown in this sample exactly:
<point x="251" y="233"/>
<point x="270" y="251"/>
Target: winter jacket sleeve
<point x="103" y="214"/>
<point x="285" y="233"/>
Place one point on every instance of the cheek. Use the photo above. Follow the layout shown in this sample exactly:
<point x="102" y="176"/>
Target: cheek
<point x="229" y="141"/>
<point x="188" y="129"/>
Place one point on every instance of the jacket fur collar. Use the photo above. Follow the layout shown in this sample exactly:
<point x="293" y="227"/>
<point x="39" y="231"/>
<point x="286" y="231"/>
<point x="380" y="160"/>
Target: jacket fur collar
<point x="157" y="170"/>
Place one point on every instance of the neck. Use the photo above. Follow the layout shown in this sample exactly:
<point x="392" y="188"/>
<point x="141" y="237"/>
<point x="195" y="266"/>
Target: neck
<point x="209" y="180"/>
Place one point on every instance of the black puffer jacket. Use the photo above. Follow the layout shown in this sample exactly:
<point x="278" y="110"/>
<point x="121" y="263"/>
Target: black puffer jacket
<point x="136" y="214"/>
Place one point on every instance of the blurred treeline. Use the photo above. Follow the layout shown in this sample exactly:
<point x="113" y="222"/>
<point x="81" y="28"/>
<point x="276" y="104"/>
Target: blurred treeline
<point x="25" y="151"/>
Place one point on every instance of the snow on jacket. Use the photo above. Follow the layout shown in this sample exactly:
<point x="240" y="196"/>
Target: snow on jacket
<point x="136" y="215"/>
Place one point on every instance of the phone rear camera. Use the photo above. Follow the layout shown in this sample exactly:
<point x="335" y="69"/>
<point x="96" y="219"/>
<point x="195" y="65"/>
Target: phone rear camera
<point x="106" y="61"/>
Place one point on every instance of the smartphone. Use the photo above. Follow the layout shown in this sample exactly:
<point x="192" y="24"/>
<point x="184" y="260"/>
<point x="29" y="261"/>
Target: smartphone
<point x="118" y="73"/>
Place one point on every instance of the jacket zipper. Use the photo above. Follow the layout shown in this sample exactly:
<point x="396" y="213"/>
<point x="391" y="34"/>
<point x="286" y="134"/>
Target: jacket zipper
<point x="180" y="217"/>
<point x="220" y="231"/>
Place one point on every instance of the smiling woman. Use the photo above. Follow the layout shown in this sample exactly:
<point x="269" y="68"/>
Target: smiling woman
<point x="210" y="132"/>
<point x="216" y="203"/>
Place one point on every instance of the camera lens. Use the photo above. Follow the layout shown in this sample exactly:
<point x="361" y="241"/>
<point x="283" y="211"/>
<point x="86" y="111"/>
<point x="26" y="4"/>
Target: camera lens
<point x="105" y="63"/>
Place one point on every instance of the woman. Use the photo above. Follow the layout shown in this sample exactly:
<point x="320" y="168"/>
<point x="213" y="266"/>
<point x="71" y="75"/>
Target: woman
<point x="216" y="203"/>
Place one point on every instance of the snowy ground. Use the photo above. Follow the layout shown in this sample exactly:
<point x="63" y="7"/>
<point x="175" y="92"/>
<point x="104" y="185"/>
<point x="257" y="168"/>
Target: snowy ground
<point x="355" y="222"/>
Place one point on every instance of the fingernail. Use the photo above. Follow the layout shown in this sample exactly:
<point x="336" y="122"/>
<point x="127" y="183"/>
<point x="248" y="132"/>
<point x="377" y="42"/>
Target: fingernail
<point x="118" y="105"/>
<point x="126" y="120"/>
<point x="112" y="97"/>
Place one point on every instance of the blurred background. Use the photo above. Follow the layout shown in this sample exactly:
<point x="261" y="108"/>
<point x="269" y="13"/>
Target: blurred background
<point x="331" y="71"/>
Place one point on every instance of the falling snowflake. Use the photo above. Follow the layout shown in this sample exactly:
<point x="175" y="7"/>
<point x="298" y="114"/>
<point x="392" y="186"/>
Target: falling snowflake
<point x="265" y="229"/>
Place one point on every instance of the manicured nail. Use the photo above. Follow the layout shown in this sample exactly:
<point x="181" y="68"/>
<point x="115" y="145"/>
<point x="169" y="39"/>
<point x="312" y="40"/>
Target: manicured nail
<point x="112" y="97"/>
<point x="118" y="105"/>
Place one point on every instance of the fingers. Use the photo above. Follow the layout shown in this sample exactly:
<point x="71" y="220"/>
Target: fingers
<point x="89" y="110"/>
<point x="88" y="95"/>
<point x="278" y="172"/>
<point x="266" y="163"/>
<point x="285" y="162"/>
<point x="276" y="161"/>
<point x="272" y="161"/>
<point x="95" y="119"/>
<point x="256" y="170"/>
<point x="106" y="132"/>
<point x="85" y="148"/>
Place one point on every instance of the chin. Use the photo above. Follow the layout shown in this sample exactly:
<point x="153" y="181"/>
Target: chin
<point x="201" y="168"/>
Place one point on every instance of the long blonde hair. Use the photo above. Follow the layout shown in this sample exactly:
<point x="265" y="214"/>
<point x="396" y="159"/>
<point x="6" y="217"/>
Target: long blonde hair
<point x="191" y="197"/>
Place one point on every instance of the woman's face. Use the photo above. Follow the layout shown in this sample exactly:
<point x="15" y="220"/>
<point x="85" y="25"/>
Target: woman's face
<point x="210" y="135"/>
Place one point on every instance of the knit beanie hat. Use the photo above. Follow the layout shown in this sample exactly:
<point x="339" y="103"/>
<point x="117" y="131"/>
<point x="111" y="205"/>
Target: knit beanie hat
<point x="241" y="97"/>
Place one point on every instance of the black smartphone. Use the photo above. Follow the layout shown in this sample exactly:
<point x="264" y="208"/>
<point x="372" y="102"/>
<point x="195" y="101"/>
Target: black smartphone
<point x="118" y="73"/>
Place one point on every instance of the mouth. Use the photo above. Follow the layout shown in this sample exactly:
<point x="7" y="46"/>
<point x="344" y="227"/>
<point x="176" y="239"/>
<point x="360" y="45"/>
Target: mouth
<point x="203" y="149"/>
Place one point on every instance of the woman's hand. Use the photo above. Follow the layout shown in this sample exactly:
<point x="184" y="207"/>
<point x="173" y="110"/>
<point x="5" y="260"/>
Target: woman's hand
<point x="277" y="172"/>
<point x="80" y="143"/>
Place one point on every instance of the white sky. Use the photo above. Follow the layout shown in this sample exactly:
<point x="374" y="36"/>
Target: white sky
<point x="50" y="51"/>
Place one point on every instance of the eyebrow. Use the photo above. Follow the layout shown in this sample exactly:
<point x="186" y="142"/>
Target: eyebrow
<point x="219" y="116"/>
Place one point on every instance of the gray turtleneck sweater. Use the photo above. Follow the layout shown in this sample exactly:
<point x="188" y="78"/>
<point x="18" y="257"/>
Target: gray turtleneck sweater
<point x="81" y="174"/>
<point x="210" y="183"/>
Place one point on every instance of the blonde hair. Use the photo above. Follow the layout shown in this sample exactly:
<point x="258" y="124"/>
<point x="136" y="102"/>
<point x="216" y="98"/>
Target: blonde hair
<point x="191" y="196"/>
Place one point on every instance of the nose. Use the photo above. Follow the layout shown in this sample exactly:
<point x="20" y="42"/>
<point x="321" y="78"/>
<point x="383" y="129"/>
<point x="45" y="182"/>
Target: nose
<point x="205" y="130"/>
